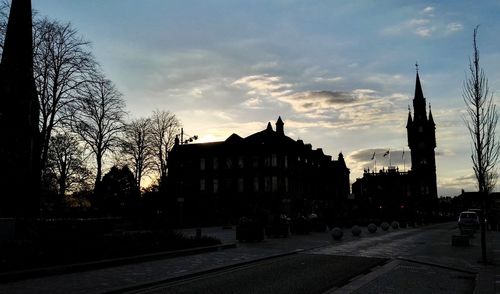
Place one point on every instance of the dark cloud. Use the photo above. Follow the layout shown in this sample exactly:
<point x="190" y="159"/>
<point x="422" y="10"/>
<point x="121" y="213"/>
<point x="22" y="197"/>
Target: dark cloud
<point x="335" y="97"/>
<point x="324" y="97"/>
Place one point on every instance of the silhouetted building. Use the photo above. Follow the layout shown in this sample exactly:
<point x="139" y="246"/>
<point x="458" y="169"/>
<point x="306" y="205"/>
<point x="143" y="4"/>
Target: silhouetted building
<point x="266" y="173"/>
<point x="19" y="111"/>
<point x="422" y="142"/>
<point x="405" y="193"/>
<point x="384" y="194"/>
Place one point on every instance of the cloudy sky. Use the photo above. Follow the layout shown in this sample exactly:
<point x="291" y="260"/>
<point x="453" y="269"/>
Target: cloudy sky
<point x="341" y="74"/>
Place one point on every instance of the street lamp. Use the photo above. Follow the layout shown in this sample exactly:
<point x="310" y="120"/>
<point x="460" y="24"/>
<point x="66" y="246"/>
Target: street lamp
<point x="188" y="140"/>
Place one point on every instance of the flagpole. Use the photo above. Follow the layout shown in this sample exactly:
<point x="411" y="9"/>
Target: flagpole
<point x="390" y="161"/>
<point x="404" y="160"/>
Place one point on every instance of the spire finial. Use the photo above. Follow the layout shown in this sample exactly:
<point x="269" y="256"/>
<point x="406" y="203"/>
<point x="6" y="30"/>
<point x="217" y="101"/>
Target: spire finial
<point x="409" y="110"/>
<point x="416" y="66"/>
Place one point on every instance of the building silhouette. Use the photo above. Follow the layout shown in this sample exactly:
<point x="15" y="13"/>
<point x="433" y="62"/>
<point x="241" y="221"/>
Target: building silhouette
<point x="19" y="111"/>
<point x="265" y="174"/>
<point x="394" y="194"/>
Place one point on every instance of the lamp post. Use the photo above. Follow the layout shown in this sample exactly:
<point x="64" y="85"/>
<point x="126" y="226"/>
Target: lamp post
<point x="180" y="200"/>
<point x="188" y="140"/>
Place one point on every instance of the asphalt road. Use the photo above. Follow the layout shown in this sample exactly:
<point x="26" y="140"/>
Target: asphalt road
<point x="297" y="273"/>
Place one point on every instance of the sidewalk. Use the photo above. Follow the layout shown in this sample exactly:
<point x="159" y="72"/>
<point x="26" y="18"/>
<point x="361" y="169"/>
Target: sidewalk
<point x="439" y="268"/>
<point x="125" y="276"/>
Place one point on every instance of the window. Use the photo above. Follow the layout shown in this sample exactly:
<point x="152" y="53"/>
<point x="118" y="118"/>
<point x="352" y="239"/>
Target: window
<point x="267" y="184"/>
<point x="202" y="185"/>
<point x="216" y="185"/>
<point x="202" y="163"/>
<point x="255" y="161"/>
<point x="241" y="185"/>
<point x="420" y="129"/>
<point x="216" y="163"/>
<point x="256" y="184"/>
<point x="286" y="185"/>
<point x="286" y="161"/>
<point x="267" y="161"/>
<point x="274" y="160"/>
<point x="229" y="163"/>
<point x="274" y="184"/>
<point x="241" y="162"/>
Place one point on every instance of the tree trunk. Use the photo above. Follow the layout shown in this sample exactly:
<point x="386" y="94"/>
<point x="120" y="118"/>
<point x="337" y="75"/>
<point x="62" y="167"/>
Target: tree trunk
<point x="99" y="172"/>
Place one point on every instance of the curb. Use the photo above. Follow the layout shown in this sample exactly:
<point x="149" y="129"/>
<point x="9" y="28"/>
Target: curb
<point x="77" y="267"/>
<point x="152" y="285"/>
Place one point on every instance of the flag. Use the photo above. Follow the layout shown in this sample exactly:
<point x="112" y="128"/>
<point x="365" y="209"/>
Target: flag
<point x="373" y="156"/>
<point x="386" y="153"/>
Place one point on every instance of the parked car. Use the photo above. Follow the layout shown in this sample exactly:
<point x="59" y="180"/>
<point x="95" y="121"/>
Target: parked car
<point x="468" y="219"/>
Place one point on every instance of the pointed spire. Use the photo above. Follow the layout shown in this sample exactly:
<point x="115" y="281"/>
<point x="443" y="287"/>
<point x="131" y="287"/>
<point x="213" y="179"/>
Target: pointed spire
<point x="419" y="94"/>
<point x="419" y="105"/>
<point x="410" y="120"/>
<point x="280" y="126"/>
<point x="269" y="127"/>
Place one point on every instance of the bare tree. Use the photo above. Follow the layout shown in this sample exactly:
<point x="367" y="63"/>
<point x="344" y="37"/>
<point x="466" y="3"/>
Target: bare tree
<point x="67" y="163"/>
<point x="62" y="64"/>
<point x="135" y="146"/>
<point x="98" y="119"/>
<point x="164" y="128"/>
<point x="4" y="15"/>
<point x="481" y="121"/>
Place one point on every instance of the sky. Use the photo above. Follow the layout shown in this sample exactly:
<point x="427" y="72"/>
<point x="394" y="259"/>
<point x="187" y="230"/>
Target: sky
<point x="341" y="74"/>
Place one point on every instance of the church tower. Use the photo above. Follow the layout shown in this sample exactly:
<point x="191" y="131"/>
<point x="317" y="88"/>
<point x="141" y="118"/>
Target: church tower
<point x="421" y="131"/>
<point x="19" y="112"/>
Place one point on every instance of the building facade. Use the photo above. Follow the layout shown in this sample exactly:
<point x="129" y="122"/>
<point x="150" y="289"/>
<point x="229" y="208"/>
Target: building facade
<point x="19" y="112"/>
<point x="410" y="194"/>
<point x="266" y="173"/>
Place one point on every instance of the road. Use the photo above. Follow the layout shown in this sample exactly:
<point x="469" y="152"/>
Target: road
<point x="411" y="261"/>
